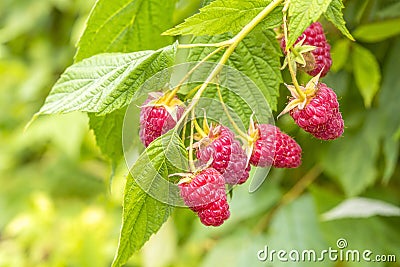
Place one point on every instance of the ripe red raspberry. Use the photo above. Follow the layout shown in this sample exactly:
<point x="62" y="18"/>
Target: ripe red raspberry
<point x="320" y="57"/>
<point x="157" y="117"/>
<point x="275" y="148"/>
<point x="205" y="194"/>
<point x="228" y="156"/>
<point x="215" y="213"/>
<point x="320" y="116"/>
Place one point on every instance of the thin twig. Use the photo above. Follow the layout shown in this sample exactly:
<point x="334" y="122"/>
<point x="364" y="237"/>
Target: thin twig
<point x="291" y="195"/>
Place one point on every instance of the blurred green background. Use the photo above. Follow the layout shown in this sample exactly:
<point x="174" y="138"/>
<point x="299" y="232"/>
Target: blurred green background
<point x="56" y="205"/>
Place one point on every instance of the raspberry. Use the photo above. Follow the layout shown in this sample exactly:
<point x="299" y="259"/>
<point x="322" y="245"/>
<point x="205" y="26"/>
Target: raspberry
<point x="275" y="148"/>
<point x="157" y="118"/>
<point x="321" y="116"/>
<point x="228" y="156"/>
<point x="320" y="57"/>
<point x="215" y="213"/>
<point x="205" y="194"/>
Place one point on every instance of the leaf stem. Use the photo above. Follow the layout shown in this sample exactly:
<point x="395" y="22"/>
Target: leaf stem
<point x="237" y="129"/>
<point x="198" y="128"/>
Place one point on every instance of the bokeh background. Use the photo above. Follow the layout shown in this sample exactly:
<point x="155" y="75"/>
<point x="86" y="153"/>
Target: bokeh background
<point x="59" y="207"/>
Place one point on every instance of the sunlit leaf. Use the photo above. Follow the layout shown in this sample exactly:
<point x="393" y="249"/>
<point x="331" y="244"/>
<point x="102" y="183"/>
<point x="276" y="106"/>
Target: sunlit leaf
<point x="222" y="16"/>
<point x="377" y="31"/>
<point x="126" y="26"/>
<point x="302" y="13"/>
<point x="367" y="73"/>
<point x="143" y="215"/>
<point x="334" y="14"/>
<point x="105" y="82"/>
<point x="360" y="208"/>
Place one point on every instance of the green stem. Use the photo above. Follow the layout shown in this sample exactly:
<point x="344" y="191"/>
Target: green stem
<point x="191" y="161"/>
<point x="184" y="130"/>
<point x="238" y="130"/>
<point x="198" y="128"/>
<point x="173" y="92"/>
<point x="220" y="44"/>
<point x="288" y="49"/>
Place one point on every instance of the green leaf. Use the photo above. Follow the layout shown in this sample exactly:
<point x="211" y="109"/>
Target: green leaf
<point x="335" y="15"/>
<point x="357" y="231"/>
<point x="222" y="16"/>
<point x="340" y="53"/>
<point x="295" y="227"/>
<point x="123" y="26"/>
<point x="389" y="11"/>
<point x="110" y="129"/>
<point x="257" y="57"/>
<point x="242" y="242"/>
<point x="126" y="26"/>
<point x="238" y="108"/>
<point x="352" y="159"/>
<point x="301" y="14"/>
<point x="377" y="31"/>
<point x="387" y="108"/>
<point x="391" y="153"/>
<point x="360" y="207"/>
<point x="105" y="82"/>
<point x="366" y="72"/>
<point x="143" y="215"/>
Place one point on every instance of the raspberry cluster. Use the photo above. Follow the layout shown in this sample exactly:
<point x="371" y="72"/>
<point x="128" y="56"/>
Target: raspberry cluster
<point x="225" y="162"/>
<point x="222" y="160"/>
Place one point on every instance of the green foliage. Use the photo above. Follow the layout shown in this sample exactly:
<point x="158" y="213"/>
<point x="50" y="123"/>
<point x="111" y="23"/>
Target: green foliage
<point x="377" y="31"/>
<point x="222" y="16"/>
<point x="110" y="128"/>
<point x="366" y="72"/>
<point x="54" y="179"/>
<point x="106" y="82"/>
<point x="130" y="26"/>
<point x="302" y="13"/>
<point x="143" y="215"/>
<point x="126" y="26"/>
<point x="258" y="57"/>
<point x="334" y="14"/>
<point x="295" y="236"/>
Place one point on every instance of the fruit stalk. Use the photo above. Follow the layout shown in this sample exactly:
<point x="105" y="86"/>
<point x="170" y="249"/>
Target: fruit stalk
<point x="300" y="92"/>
